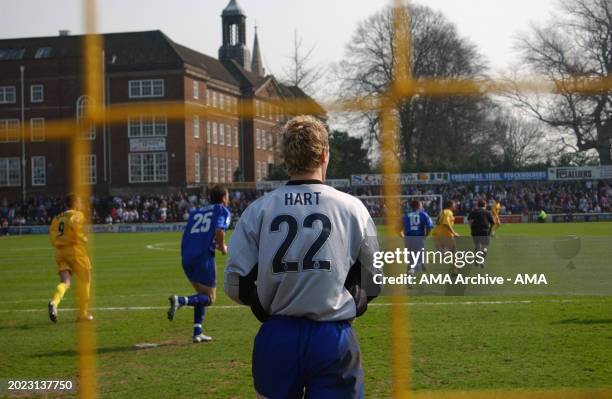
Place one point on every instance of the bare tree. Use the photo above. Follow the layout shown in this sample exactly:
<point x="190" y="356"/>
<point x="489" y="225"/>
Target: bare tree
<point x="577" y="45"/>
<point x="447" y="133"/>
<point x="301" y="71"/>
<point x="519" y="141"/>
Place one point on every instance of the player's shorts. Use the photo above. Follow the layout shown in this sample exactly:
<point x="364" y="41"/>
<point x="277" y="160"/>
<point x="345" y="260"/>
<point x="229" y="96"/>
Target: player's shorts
<point x="415" y="244"/>
<point x="201" y="271"/>
<point x="292" y="355"/>
<point x="80" y="265"/>
<point x="443" y="242"/>
<point x="481" y="241"/>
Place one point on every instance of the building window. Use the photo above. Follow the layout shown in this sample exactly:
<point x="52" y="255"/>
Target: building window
<point x="37" y="129"/>
<point x="256" y="107"/>
<point x="88" y="169"/>
<point x="148" y="167"/>
<point x="208" y="132"/>
<point x="37" y="93"/>
<point x="208" y="170"/>
<point x="258" y="171"/>
<point x="146" y="88"/>
<point x="214" y="133"/>
<point x="236" y="137"/>
<point x="11" y="53"/>
<point x="257" y="138"/>
<point x="43" y="52"/>
<point x="9" y="130"/>
<point x="228" y="135"/>
<point x="197" y="167"/>
<point x="146" y="126"/>
<point x="214" y="98"/>
<point x="263" y="140"/>
<point x="222" y="170"/>
<point x="39" y="173"/>
<point x="196" y="126"/>
<point x="196" y="90"/>
<point x="221" y="101"/>
<point x="235" y="105"/>
<point x="270" y="141"/>
<point x="7" y="95"/>
<point x="89" y="133"/>
<point x="207" y="97"/>
<point x="228" y="165"/>
<point x="221" y="134"/>
<point x="10" y="172"/>
<point x="215" y="170"/>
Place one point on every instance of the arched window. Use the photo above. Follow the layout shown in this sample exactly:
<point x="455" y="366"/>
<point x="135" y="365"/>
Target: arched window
<point x="81" y="111"/>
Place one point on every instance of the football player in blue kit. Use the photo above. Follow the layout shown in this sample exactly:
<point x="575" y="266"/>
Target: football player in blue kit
<point x="416" y="226"/>
<point x="204" y="232"/>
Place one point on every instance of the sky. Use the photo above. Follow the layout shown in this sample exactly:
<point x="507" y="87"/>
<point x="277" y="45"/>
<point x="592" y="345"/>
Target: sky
<point x="325" y="24"/>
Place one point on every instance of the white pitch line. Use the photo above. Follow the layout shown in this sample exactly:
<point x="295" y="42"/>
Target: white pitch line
<point x="156" y="247"/>
<point x="133" y="308"/>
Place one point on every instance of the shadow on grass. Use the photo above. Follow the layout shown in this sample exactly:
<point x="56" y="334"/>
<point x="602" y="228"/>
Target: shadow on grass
<point x="584" y="321"/>
<point x="102" y="351"/>
<point x="23" y="327"/>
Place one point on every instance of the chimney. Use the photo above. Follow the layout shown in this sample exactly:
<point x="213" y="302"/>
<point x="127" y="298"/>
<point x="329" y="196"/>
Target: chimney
<point x="64" y="32"/>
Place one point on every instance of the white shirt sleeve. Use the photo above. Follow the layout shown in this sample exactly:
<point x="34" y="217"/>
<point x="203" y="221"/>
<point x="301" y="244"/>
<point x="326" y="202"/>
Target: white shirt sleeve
<point x="243" y="252"/>
<point x="369" y="246"/>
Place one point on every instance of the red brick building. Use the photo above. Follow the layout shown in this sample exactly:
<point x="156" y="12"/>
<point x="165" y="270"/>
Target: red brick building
<point x="142" y="154"/>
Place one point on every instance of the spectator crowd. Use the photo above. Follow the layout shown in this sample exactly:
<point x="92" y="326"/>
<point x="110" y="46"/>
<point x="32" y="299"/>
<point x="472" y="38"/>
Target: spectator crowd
<point x="516" y="198"/>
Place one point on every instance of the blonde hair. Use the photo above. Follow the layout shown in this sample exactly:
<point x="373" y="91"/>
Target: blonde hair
<point x="303" y="140"/>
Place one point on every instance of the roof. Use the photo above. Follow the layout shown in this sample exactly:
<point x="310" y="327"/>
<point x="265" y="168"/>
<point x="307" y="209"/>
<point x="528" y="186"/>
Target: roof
<point x="232" y="9"/>
<point x="125" y="51"/>
<point x="213" y="66"/>
<point x="246" y="77"/>
<point x="133" y="50"/>
<point x="144" y="51"/>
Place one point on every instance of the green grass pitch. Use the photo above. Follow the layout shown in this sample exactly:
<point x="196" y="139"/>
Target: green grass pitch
<point x="490" y="343"/>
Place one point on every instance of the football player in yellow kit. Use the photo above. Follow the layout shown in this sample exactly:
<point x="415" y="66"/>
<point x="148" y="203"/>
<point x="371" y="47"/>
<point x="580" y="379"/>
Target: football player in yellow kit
<point x="495" y="210"/>
<point x="443" y="233"/>
<point x="71" y="256"/>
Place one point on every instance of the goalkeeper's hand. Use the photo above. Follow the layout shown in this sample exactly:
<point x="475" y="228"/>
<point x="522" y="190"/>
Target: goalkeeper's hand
<point x="258" y="309"/>
<point x="248" y="295"/>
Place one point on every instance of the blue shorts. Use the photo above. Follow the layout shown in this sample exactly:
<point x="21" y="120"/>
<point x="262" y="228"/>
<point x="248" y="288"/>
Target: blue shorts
<point x="415" y="244"/>
<point x="293" y="356"/>
<point x="202" y="271"/>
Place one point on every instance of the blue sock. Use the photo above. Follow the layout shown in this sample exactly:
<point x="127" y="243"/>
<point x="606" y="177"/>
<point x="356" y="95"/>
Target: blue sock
<point x="198" y="299"/>
<point x="199" y="311"/>
<point x="194" y="300"/>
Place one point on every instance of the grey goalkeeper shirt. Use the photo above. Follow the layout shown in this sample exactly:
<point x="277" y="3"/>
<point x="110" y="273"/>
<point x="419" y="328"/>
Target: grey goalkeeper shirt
<point x="304" y="237"/>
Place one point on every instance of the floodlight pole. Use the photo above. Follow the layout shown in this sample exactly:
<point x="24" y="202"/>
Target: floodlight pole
<point x="23" y="155"/>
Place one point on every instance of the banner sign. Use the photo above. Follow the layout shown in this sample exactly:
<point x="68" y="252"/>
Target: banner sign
<point x="107" y="228"/>
<point x="574" y="173"/>
<point x="403" y="179"/>
<point x="148" y="144"/>
<point x="581" y="217"/>
<point x="269" y="184"/>
<point x="605" y="172"/>
<point x="137" y="228"/>
<point x="274" y="184"/>
<point x="338" y="183"/>
<point x="498" y="176"/>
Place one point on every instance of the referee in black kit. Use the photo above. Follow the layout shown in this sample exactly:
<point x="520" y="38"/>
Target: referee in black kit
<point x="481" y="222"/>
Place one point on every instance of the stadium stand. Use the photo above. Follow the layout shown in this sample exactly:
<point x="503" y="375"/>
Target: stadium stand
<point x="516" y="199"/>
